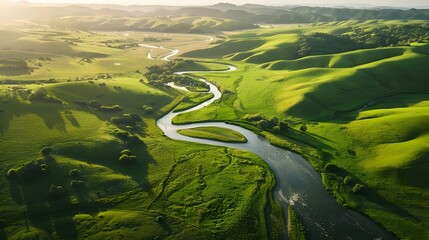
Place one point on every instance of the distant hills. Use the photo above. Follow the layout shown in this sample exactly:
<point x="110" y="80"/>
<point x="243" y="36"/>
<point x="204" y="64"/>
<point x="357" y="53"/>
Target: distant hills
<point x="225" y="16"/>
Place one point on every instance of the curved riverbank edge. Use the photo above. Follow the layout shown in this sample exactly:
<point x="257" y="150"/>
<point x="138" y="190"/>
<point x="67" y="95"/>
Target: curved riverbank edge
<point x="297" y="183"/>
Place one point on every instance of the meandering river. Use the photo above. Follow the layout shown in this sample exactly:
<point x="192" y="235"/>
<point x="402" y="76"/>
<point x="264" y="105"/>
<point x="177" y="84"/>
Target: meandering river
<point x="297" y="183"/>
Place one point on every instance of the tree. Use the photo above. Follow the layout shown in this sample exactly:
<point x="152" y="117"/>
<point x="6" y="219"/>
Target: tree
<point x="74" y="173"/>
<point x="127" y="159"/>
<point x="56" y="192"/>
<point x="358" y="188"/>
<point x="46" y="151"/>
<point x="283" y="126"/>
<point x="264" y="124"/>
<point x="303" y="128"/>
<point x="12" y="174"/>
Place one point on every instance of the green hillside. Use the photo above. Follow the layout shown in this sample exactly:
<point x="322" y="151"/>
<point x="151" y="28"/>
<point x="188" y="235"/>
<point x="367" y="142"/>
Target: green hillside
<point x="82" y="157"/>
<point x="173" y="25"/>
<point x="363" y="111"/>
<point x="289" y="43"/>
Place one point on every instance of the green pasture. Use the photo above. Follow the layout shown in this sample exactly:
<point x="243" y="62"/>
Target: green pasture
<point x="219" y="134"/>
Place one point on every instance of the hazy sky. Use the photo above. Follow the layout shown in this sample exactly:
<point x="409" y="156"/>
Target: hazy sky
<point x="396" y="3"/>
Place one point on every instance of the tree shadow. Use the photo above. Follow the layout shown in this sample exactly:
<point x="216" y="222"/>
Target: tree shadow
<point x="371" y="195"/>
<point x="69" y="115"/>
<point x="50" y="113"/>
<point x="139" y="170"/>
<point x="306" y="138"/>
<point x="49" y="214"/>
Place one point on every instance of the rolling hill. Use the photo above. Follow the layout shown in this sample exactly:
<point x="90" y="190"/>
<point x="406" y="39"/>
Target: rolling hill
<point x="173" y="25"/>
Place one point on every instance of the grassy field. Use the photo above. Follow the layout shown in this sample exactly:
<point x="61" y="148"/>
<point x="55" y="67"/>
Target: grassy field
<point x="364" y="113"/>
<point x="359" y="117"/>
<point x="75" y="55"/>
<point x="219" y="134"/>
<point x="106" y="170"/>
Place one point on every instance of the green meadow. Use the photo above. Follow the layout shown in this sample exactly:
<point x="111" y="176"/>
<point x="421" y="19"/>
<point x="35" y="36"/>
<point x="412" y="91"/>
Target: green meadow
<point x="82" y="157"/>
<point x="364" y="113"/>
<point x="219" y="134"/>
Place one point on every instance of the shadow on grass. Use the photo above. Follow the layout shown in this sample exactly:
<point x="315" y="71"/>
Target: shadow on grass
<point x="50" y="215"/>
<point x="306" y="138"/>
<point x="107" y="153"/>
<point x="72" y="119"/>
<point x="371" y="195"/>
<point x="50" y="113"/>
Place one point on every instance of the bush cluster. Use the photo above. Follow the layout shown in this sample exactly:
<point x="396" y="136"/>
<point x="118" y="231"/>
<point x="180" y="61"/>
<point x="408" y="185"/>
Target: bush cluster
<point x="94" y="104"/>
<point x="56" y="192"/>
<point x="158" y="75"/>
<point x="30" y="171"/>
<point x="41" y="95"/>
<point x="127" y="137"/>
<point x="127" y="119"/>
<point x="272" y="124"/>
<point x="127" y="157"/>
<point x="114" y="108"/>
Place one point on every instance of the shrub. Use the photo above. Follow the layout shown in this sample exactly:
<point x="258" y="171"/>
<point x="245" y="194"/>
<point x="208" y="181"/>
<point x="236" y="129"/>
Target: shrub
<point x="159" y="218"/>
<point x="41" y="95"/>
<point x="74" y="173"/>
<point x="126" y="152"/>
<point x="147" y="109"/>
<point x="274" y="121"/>
<point x="12" y="173"/>
<point x="46" y="151"/>
<point x="114" y="108"/>
<point x="276" y="129"/>
<point x="357" y="188"/>
<point x="283" y="126"/>
<point x="253" y="117"/>
<point x="351" y="152"/>
<point x="347" y="180"/>
<point x="127" y="119"/>
<point x="56" y="192"/>
<point x="330" y="167"/>
<point x="94" y="104"/>
<point x="30" y="171"/>
<point x="127" y="159"/>
<point x="303" y="128"/>
<point x="77" y="183"/>
<point x="264" y="124"/>
<point x="127" y="137"/>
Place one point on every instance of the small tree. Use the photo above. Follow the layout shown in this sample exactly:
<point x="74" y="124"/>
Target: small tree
<point x="74" y="173"/>
<point x="347" y="180"/>
<point x="283" y="126"/>
<point x="126" y="159"/>
<point x="358" y="188"/>
<point x="303" y="128"/>
<point x="46" y="151"/>
<point x="126" y="152"/>
<point x="264" y="124"/>
<point x="77" y="183"/>
<point x="56" y="192"/>
<point x="12" y="173"/>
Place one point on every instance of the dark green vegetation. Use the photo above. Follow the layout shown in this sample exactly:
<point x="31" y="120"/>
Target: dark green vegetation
<point x="82" y="157"/>
<point x="295" y="227"/>
<point x="160" y="75"/>
<point x="219" y="134"/>
<point x="358" y="116"/>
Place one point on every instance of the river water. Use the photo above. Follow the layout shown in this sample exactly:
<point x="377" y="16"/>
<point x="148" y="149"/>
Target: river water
<point x="297" y="183"/>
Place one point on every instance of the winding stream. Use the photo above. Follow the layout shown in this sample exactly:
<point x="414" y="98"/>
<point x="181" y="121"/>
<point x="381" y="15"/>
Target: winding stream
<point x="298" y="184"/>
